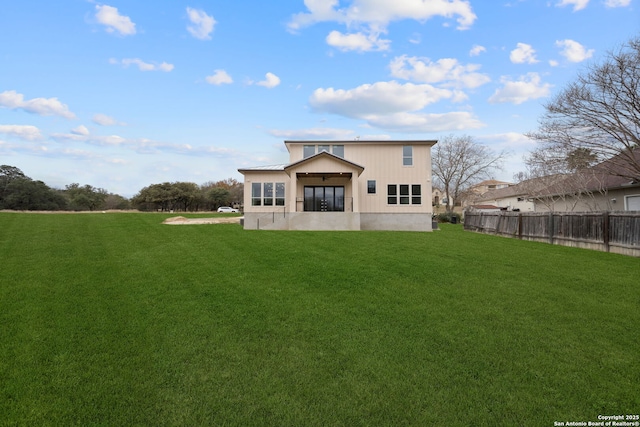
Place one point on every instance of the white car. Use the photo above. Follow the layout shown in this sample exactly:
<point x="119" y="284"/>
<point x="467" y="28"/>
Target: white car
<point x="227" y="209"/>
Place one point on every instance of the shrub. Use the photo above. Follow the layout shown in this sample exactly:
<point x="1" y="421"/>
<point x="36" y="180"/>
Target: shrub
<point x="446" y="217"/>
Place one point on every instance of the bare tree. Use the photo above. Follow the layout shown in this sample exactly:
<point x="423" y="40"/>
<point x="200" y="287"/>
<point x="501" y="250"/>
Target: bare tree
<point x="460" y="162"/>
<point x="598" y="115"/>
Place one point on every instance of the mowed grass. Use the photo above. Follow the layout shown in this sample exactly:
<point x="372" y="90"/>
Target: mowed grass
<point x="116" y="319"/>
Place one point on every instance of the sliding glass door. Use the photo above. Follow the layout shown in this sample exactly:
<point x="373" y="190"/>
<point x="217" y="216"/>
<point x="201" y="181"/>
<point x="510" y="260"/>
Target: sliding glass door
<point x="323" y="199"/>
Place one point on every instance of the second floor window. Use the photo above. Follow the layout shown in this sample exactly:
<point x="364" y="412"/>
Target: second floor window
<point x="310" y="150"/>
<point x="407" y="155"/>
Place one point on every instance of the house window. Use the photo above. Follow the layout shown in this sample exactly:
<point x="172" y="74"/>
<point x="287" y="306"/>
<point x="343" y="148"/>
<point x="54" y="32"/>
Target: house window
<point x="392" y="194"/>
<point x="322" y="148"/>
<point x="407" y="155"/>
<point x="404" y="194"/>
<point x="262" y="194"/>
<point x="268" y="194"/>
<point x="632" y="202"/>
<point x="408" y="194"/>
<point x="279" y="193"/>
<point x="309" y="150"/>
<point x="256" y="194"/>
<point x="371" y="187"/>
<point x="338" y="150"/>
<point x="416" y="194"/>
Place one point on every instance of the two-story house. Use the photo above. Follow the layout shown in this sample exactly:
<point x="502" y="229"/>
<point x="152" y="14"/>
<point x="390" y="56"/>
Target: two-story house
<point x="343" y="185"/>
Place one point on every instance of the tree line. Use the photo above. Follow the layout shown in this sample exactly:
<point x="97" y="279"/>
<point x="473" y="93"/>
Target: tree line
<point x="187" y="196"/>
<point x="20" y="192"/>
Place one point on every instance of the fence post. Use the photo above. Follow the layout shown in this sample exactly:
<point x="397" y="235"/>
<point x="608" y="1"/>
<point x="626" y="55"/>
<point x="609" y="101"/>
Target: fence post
<point x="520" y="225"/>
<point x="605" y="230"/>
<point x="550" y="227"/>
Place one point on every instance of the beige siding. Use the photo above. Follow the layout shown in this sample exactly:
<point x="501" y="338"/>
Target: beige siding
<point x="383" y="163"/>
<point x="613" y="200"/>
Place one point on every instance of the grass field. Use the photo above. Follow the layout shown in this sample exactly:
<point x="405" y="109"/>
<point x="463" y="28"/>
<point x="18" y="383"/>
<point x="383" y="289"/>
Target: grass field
<point x="116" y="319"/>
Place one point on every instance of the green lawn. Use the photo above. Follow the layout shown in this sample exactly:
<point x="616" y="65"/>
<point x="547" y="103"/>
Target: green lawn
<point x="116" y="319"/>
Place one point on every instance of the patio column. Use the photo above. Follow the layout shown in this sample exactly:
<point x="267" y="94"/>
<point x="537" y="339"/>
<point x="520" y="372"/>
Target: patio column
<point x="355" y="191"/>
<point x="292" y="192"/>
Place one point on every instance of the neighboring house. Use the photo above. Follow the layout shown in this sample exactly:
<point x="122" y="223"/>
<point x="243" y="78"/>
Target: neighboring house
<point x="607" y="186"/>
<point x="343" y="185"/>
<point x="513" y="197"/>
<point x="473" y="195"/>
<point x="436" y="196"/>
<point x="596" y="193"/>
<point x="599" y="188"/>
<point x="488" y="185"/>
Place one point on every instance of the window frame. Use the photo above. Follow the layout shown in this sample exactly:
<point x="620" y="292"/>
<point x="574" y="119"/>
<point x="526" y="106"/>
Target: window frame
<point x="268" y="194"/>
<point x="407" y="155"/>
<point x="305" y="151"/>
<point x="404" y="194"/>
<point x="256" y="194"/>
<point x="371" y="186"/>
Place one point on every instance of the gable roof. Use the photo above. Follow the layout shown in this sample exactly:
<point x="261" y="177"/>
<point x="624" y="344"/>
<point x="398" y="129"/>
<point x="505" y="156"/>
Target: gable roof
<point x="321" y="155"/>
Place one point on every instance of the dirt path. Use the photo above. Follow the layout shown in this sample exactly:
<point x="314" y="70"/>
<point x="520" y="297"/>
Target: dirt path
<point x="180" y="220"/>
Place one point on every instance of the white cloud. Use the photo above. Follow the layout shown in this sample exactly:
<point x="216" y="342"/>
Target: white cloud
<point x="526" y="88"/>
<point x="25" y="132"/>
<point x="202" y="24"/>
<point x="617" y="3"/>
<point x="143" y="66"/>
<point x="377" y="99"/>
<point x="553" y="63"/>
<point x="139" y="145"/>
<point x="446" y="70"/>
<point x="523" y="53"/>
<point x="371" y="18"/>
<point x="577" y="4"/>
<point x="423" y="122"/>
<point x="416" y="38"/>
<point x="574" y="51"/>
<point x="219" y="77"/>
<point x="109" y="16"/>
<point x="270" y="81"/>
<point x="41" y="106"/>
<point x="477" y="50"/>
<point x="394" y="106"/>
<point x="80" y="130"/>
<point x="313" y="133"/>
<point x="104" y="120"/>
<point x="381" y="13"/>
<point x="79" y="135"/>
<point x="357" y="41"/>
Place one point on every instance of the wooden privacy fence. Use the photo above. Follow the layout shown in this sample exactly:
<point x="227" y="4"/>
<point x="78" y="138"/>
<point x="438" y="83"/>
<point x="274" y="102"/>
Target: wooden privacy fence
<point x="617" y="232"/>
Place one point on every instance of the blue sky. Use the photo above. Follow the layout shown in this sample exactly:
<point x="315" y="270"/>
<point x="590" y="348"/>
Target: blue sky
<point x="124" y="94"/>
